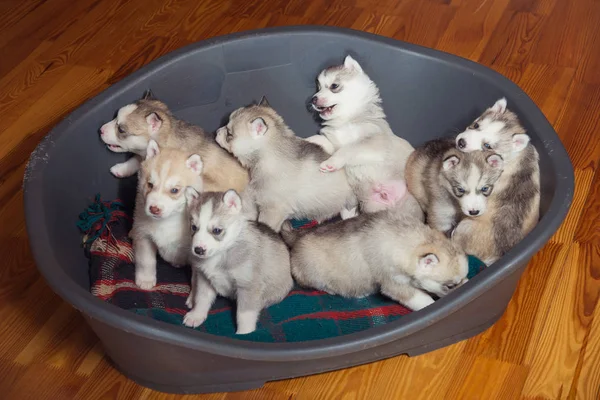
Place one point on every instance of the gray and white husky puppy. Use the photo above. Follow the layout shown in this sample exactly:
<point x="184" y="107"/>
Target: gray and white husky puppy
<point x="356" y="132"/>
<point x="386" y="251"/>
<point x="233" y="257"/>
<point x="514" y="206"/>
<point x="450" y="184"/>
<point x="285" y="181"/>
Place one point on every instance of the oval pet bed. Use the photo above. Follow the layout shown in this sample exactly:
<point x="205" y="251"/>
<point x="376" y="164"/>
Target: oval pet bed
<point x="426" y="94"/>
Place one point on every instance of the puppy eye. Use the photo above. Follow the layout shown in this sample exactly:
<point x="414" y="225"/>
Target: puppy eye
<point x="229" y="136"/>
<point x="475" y="126"/>
<point x="334" y="86"/>
<point x="459" y="190"/>
<point x="486" y="190"/>
<point x="194" y="228"/>
<point x="487" y="146"/>
<point x="217" y="231"/>
<point x="150" y="185"/>
<point x="451" y="286"/>
<point x="120" y="129"/>
<point x="174" y="190"/>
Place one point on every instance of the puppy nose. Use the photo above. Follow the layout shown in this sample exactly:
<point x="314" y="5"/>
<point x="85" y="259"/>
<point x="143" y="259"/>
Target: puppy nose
<point x="473" y="212"/>
<point x="314" y="100"/>
<point x="102" y="131"/>
<point x="199" y="250"/>
<point x="462" y="143"/>
<point x="154" y="210"/>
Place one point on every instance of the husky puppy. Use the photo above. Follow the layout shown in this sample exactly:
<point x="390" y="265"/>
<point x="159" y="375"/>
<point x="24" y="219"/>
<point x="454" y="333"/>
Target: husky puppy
<point x="514" y="207"/>
<point x="449" y="184"/>
<point x="149" y="118"/>
<point x="385" y="251"/>
<point x="285" y="179"/>
<point x="360" y="138"/>
<point x="160" y="220"/>
<point x="235" y="258"/>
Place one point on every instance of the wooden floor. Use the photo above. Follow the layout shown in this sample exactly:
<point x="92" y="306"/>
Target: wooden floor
<point x="55" y="54"/>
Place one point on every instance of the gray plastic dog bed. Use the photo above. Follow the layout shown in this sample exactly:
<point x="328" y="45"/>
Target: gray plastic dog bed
<point x="425" y="93"/>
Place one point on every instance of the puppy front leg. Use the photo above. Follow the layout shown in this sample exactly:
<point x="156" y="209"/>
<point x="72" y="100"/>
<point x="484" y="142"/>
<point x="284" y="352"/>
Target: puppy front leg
<point x="127" y="168"/>
<point x="355" y="154"/>
<point x="407" y="295"/>
<point x="249" y="306"/>
<point x="441" y="217"/>
<point x="145" y="263"/>
<point x="323" y="142"/>
<point x="190" y="300"/>
<point x="204" y="296"/>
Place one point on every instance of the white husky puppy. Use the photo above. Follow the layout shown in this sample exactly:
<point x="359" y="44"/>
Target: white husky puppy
<point x="235" y="258"/>
<point x="285" y="181"/>
<point x="359" y="137"/>
<point x="160" y="221"/>
<point x="384" y="251"/>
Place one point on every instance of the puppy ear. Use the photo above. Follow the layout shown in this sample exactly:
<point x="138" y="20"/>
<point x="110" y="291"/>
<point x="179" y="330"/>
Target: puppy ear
<point x="194" y="162"/>
<point x="148" y="95"/>
<point x="495" y="161"/>
<point x="450" y="162"/>
<point x="351" y="63"/>
<point x="191" y="196"/>
<point x="154" y="122"/>
<point x="152" y="150"/>
<point x="520" y="141"/>
<point x="259" y="127"/>
<point x="499" y="106"/>
<point x="264" y="102"/>
<point x="428" y="261"/>
<point x="232" y="201"/>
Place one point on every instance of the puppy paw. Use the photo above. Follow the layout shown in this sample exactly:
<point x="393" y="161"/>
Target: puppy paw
<point x="244" y="330"/>
<point x="145" y="281"/>
<point x="189" y="303"/>
<point x="193" y="320"/>
<point x="122" y="170"/>
<point x="349" y="213"/>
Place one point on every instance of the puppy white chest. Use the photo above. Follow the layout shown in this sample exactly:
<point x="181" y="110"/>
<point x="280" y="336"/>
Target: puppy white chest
<point x="172" y="238"/>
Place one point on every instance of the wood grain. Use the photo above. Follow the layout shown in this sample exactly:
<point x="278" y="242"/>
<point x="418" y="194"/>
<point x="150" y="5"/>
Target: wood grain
<point x="58" y="53"/>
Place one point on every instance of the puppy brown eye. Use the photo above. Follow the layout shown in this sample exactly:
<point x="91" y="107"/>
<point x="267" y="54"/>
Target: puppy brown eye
<point x="174" y="190"/>
<point x="475" y="126"/>
<point x="487" y="146"/>
<point x="120" y="129"/>
<point x="150" y="185"/>
<point x="334" y="86"/>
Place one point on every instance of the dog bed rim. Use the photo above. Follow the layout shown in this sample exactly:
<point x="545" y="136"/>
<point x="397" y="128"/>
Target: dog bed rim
<point x="95" y="308"/>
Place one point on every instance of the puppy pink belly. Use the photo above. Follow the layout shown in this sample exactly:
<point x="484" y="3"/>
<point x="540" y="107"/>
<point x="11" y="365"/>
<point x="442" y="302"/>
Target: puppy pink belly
<point x="389" y="192"/>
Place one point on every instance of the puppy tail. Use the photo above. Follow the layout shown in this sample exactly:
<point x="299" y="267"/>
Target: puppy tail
<point x="289" y="235"/>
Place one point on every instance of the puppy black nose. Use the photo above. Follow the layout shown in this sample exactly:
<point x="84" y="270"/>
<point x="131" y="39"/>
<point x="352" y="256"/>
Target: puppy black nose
<point x="473" y="212"/>
<point x="199" y="250"/>
<point x="462" y="143"/>
<point x="314" y="100"/>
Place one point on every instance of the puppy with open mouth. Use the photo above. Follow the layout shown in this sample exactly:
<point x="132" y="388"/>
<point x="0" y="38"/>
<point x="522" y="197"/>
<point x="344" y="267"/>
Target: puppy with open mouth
<point x="358" y="137"/>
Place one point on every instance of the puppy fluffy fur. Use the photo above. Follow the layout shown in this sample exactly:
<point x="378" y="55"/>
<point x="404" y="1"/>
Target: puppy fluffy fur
<point x="360" y="138"/>
<point x="384" y="251"/>
<point x="235" y="258"/>
<point x="160" y="222"/>
<point x="149" y="118"/>
<point x="284" y="169"/>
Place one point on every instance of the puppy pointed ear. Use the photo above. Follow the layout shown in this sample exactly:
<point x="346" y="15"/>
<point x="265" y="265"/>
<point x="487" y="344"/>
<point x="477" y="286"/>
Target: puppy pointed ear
<point x="499" y="106"/>
<point x="428" y="261"/>
<point x="351" y="63"/>
<point x="148" y="95"/>
<point x="264" y="102"/>
<point x="520" y="141"/>
<point x="154" y="122"/>
<point x="191" y="196"/>
<point x="232" y="201"/>
<point x="194" y="162"/>
<point x="495" y="161"/>
<point x="259" y="127"/>
<point x="450" y="162"/>
<point x="152" y="150"/>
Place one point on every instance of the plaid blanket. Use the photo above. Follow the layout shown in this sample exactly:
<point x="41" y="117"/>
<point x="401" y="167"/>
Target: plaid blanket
<point x="305" y="314"/>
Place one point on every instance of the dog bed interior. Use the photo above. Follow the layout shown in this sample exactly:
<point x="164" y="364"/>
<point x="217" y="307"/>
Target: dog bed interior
<point x="305" y="314"/>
